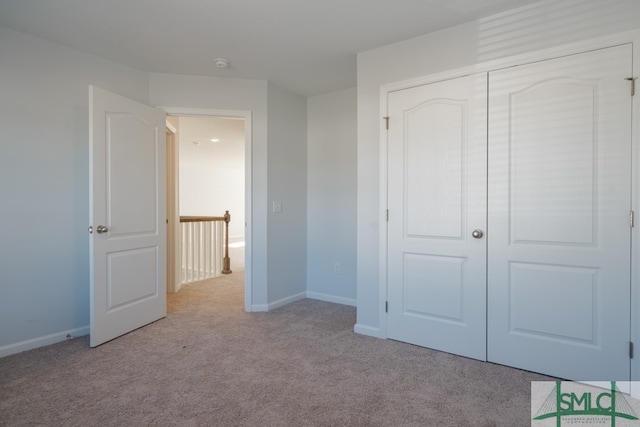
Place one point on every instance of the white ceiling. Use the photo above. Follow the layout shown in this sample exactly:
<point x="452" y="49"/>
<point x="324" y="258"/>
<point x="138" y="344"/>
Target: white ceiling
<point x="306" y="46"/>
<point x="200" y="130"/>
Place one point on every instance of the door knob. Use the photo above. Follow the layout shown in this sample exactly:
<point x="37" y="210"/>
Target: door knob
<point x="475" y="233"/>
<point x="101" y="229"/>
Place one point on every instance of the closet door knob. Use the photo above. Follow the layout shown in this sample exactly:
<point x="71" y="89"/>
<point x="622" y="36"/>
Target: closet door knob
<point x="477" y="234"/>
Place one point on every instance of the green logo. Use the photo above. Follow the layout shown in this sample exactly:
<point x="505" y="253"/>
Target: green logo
<point x="595" y="403"/>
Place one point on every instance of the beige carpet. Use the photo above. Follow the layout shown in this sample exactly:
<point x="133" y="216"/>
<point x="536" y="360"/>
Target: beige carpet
<point x="208" y="363"/>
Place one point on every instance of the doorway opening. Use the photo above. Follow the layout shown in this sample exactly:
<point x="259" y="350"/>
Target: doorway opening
<point x="208" y="173"/>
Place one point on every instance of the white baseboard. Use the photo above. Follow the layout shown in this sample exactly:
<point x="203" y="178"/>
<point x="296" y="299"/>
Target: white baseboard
<point x="78" y="332"/>
<point x="302" y="295"/>
<point x="368" y="330"/>
<point x="332" y="298"/>
<point x="287" y="300"/>
<point x="42" y="341"/>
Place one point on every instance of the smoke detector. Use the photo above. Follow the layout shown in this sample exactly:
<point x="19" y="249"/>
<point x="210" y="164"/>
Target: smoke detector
<point x="221" y="62"/>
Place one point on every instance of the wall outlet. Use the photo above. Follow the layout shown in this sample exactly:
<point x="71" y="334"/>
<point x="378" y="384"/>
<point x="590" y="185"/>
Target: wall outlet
<point x="277" y="206"/>
<point x="336" y="268"/>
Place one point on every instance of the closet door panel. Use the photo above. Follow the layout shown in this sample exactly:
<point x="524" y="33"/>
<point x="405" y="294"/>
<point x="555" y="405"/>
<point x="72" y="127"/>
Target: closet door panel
<point x="558" y="229"/>
<point x="437" y="197"/>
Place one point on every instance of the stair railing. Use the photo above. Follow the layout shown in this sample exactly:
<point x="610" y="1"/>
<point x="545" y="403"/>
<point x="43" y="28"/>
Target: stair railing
<point x="204" y="247"/>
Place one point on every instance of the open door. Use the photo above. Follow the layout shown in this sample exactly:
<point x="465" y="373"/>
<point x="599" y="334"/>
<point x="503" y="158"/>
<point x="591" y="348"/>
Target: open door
<point x="127" y="215"/>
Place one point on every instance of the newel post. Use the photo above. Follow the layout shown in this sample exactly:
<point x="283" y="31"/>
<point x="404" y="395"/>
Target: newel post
<point x="226" y="261"/>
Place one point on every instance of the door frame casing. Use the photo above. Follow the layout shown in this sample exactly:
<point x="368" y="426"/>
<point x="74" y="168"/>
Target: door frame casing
<point x="510" y="61"/>
<point x="173" y="214"/>
<point x="247" y="116"/>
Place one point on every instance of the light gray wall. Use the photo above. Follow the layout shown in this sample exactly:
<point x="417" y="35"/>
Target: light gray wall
<point x="542" y="25"/>
<point x="44" y="184"/>
<point x="44" y="178"/>
<point x="287" y="176"/>
<point x="331" y="199"/>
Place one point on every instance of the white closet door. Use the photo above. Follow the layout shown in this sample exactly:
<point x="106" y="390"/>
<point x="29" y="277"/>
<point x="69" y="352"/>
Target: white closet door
<point x="559" y="204"/>
<point x="436" y="198"/>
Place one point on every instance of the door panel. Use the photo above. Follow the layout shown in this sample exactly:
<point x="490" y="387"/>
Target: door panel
<point x="547" y="212"/>
<point x="433" y="286"/>
<point x="434" y="169"/>
<point x="436" y="197"/>
<point x="137" y="266"/>
<point x="131" y="146"/>
<point x="559" y="202"/>
<point x="127" y="170"/>
<point x="531" y="285"/>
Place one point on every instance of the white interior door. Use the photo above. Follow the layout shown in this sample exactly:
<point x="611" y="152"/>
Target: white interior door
<point x="128" y="215"/>
<point x="436" y="199"/>
<point x="559" y="204"/>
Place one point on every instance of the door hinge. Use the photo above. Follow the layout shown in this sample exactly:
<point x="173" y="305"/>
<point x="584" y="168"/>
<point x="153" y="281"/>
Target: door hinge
<point x="386" y="119"/>
<point x="630" y="350"/>
<point x="386" y="215"/>
<point x="386" y="306"/>
<point x="633" y="85"/>
<point x="632" y="219"/>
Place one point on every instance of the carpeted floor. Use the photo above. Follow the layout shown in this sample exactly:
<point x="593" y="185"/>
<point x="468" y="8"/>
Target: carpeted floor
<point x="208" y="363"/>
